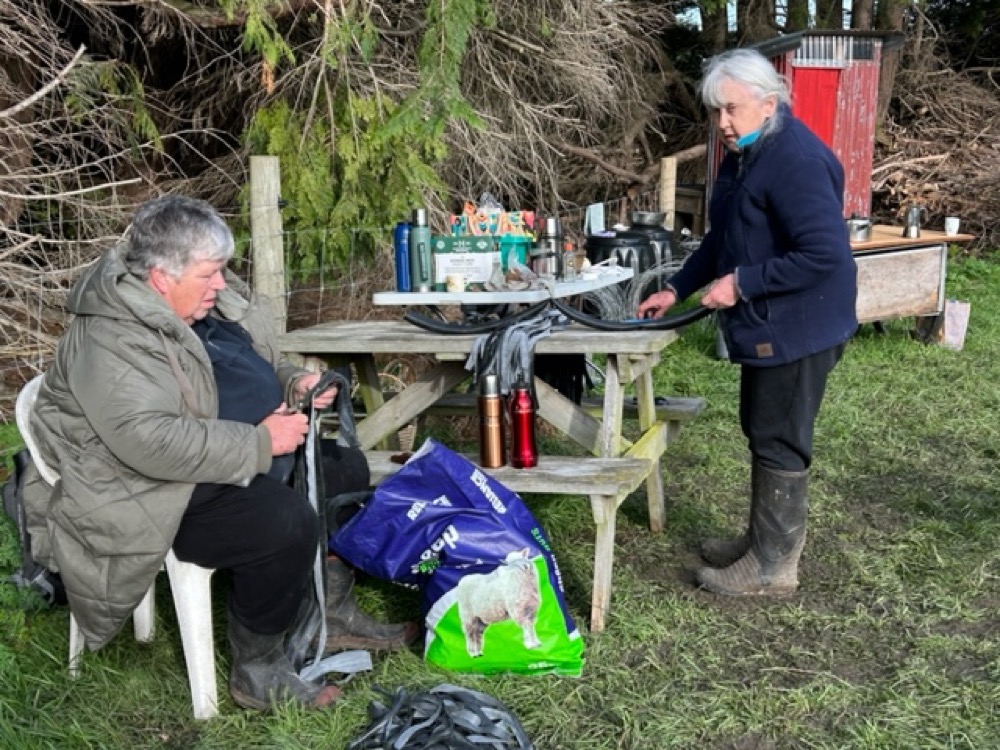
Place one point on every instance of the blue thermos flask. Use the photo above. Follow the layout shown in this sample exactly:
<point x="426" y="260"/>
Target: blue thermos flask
<point x="401" y="243"/>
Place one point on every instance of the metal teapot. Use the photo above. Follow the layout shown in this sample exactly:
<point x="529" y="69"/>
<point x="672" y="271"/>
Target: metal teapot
<point x="911" y="220"/>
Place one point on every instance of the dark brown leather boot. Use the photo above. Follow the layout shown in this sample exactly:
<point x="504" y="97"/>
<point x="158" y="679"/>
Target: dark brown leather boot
<point x="347" y="627"/>
<point x="777" y="535"/>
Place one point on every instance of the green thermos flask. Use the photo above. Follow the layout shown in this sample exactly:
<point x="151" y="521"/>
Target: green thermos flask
<point x="421" y="268"/>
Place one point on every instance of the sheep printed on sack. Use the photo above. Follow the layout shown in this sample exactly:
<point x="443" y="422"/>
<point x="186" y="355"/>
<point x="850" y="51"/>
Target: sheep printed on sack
<point x="508" y="593"/>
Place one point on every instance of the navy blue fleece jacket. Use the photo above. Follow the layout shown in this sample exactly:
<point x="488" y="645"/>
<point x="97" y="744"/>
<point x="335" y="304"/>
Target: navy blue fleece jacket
<point x="776" y="218"/>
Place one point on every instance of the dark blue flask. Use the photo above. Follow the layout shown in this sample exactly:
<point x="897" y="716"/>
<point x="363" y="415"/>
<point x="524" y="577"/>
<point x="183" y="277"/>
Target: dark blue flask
<point x="401" y="243"/>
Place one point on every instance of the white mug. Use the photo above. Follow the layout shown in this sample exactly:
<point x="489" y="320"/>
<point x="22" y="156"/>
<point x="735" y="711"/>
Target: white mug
<point x="454" y="282"/>
<point x="951" y="226"/>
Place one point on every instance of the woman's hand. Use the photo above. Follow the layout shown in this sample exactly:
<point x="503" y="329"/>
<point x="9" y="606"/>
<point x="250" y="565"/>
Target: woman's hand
<point x="288" y="430"/>
<point x="305" y="383"/>
<point x="722" y="293"/>
<point x="657" y="304"/>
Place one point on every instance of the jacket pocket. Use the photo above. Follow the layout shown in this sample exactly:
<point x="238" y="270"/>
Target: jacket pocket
<point x="749" y="336"/>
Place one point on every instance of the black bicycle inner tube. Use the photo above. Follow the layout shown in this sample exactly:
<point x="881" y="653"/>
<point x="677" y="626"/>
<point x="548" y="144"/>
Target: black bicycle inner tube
<point x="438" y="326"/>
<point x="666" y="323"/>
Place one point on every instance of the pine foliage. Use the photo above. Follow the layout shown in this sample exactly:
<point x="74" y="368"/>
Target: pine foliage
<point x="378" y="157"/>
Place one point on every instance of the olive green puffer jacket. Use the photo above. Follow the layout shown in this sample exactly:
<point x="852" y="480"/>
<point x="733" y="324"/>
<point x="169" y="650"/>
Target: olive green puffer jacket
<point x="126" y="416"/>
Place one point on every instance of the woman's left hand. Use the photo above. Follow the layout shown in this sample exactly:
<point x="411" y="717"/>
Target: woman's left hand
<point x="722" y="293"/>
<point x="320" y="400"/>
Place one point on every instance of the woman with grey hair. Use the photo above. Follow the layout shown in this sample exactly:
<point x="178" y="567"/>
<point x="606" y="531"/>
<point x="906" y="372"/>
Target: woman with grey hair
<point x="777" y="267"/>
<point x="165" y="414"/>
<point x="759" y="77"/>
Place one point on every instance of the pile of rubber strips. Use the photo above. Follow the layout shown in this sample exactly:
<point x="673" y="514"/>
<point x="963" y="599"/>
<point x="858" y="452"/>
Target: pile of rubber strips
<point x="447" y="717"/>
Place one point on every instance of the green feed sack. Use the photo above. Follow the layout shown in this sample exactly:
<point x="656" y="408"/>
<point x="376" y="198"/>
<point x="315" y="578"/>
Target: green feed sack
<point x="491" y="589"/>
<point x="510" y="620"/>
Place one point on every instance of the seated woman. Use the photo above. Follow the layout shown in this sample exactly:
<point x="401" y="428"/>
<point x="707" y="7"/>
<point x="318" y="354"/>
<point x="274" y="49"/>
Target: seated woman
<point x="165" y="414"/>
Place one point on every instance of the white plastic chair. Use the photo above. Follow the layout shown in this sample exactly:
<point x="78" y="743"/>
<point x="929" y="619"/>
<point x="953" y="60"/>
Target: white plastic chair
<point x="190" y="586"/>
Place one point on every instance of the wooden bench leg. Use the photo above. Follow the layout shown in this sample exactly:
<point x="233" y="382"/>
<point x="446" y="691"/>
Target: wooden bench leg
<point x="646" y="404"/>
<point x="371" y="392"/>
<point x="605" y="509"/>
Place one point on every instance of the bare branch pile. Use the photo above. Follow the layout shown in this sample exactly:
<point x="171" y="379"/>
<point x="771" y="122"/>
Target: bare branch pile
<point x="941" y="149"/>
<point x="81" y="144"/>
<point x="568" y="109"/>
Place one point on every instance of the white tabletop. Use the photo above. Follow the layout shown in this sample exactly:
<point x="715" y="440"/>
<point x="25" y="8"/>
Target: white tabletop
<point x="589" y="280"/>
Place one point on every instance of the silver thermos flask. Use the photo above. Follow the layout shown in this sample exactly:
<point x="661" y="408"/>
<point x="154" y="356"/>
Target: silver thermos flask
<point x="547" y="254"/>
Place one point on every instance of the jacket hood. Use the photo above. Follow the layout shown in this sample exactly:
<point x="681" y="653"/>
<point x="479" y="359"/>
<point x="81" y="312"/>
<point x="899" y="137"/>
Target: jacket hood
<point x="109" y="290"/>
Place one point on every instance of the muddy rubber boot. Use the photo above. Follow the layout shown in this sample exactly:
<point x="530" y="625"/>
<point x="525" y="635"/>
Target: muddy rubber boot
<point x="777" y="536"/>
<point x="347" y="627"/>
<point x="721" y="553"/>
<point x="262" y="676"/>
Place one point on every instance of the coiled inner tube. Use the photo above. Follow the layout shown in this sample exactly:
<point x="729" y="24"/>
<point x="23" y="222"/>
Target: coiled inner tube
<point x="447" y="717"/>
<point x="437" y="326"/>
<point x="666" y="323"/>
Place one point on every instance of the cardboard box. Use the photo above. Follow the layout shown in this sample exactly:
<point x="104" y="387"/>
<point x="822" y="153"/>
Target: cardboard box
<point x="478" y="223"/>
<point x="472" y="257"/>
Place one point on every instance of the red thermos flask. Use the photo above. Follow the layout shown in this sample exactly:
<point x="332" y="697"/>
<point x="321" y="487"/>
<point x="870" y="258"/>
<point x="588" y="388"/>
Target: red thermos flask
<point x="523" y="452"/>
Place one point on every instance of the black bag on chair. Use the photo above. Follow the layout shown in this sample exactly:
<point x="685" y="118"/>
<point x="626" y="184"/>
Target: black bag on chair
<point x="32" y="574"/>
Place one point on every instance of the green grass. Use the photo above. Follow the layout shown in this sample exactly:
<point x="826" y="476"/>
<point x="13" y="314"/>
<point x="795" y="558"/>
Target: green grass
<point x="891" y="642"/>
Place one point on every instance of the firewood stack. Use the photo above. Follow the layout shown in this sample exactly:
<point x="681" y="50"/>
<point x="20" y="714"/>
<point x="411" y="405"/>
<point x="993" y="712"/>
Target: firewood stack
<point x="941" y="148"/>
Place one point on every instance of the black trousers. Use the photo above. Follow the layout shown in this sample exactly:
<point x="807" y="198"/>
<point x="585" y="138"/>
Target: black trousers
<point x="266" y="535"/>
<point x="778" y="408"/>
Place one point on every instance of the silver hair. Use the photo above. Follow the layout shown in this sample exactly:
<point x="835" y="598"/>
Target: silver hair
<point x="172" y="233"/>
<point x="749" y="68"/>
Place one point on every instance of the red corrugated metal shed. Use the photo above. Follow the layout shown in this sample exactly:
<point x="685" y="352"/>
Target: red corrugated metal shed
<point x="833" y="77"/>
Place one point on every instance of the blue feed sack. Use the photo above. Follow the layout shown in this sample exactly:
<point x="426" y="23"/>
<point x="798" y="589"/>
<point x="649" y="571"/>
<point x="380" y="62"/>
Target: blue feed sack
<point x="492" y="595"/>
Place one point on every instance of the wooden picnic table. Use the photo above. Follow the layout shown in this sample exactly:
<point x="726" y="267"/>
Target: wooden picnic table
<point x="615" y="467"/>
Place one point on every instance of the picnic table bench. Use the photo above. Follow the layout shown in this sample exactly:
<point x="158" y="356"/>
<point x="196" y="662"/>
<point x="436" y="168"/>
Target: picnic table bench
<point x="614" y="467"/>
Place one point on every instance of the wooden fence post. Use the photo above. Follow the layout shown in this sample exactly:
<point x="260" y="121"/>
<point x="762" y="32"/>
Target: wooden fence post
<point x="268" y="253"/>
<point x="668" y="191"/>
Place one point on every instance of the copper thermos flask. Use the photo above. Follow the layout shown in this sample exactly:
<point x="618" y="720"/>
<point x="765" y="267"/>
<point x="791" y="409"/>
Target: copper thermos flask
<point x="523" y="451"/>
<point x="491" y="438"/>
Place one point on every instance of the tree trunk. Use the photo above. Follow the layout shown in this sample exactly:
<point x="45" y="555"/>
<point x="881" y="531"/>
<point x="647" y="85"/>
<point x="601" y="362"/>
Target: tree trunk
<point x="14" y="143"/>
<point x="890" y="18"/>
<point x="714" y="27"/>
<point x="798" y="15"/>
<point x="918" y="31"/>
<point x="861" y="14"/>
<point x="829" y="14"/>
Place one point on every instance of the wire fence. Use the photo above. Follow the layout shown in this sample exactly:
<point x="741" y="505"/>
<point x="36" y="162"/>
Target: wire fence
<point x="39" y="273"/>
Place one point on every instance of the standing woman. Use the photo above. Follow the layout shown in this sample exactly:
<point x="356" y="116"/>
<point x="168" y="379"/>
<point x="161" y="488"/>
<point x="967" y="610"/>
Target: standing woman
<point x="778" y="269"/>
